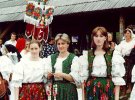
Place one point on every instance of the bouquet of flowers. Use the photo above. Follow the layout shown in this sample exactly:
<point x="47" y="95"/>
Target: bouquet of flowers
<point x="29" y="9"/>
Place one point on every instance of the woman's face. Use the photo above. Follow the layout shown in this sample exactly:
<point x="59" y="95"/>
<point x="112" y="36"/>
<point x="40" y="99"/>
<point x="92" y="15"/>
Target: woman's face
<point x="13" y="37"/>
<point x="109" y="37"/>
<point x="62" y="46"/>
<point x="34" y="49"/>
<point x="27" y="45"/>
<point x="127" y="35"/>
<point x="99" y="39"/>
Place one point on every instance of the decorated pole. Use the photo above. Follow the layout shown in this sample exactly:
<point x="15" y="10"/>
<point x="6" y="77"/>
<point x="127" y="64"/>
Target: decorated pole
<point x="38" y="17"/>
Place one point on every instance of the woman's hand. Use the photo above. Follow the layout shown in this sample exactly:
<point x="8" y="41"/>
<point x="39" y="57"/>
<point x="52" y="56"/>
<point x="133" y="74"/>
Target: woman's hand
<point x="64" y="76"/>
<point x="58" y="75"/>
<point x="49" y="75"/>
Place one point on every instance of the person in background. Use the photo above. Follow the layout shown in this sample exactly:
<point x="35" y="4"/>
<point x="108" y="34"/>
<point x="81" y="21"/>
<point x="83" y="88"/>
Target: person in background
<point x="12" y="40"/>
<point x="5" y="71"/>
<point x="110" y="40"/>
<point x="26" y="51"/>
<point x="124" y="49"/>
<point x="77" y="52"/>
<point x="132" y="55"/>
<point x="10" y="57"/>
<point x="64" y="67"/>
<point x="20" y="45"/>
<point x="29" y="74"/>
<point x="99" y="75"/>
<point x="48" y="48"/>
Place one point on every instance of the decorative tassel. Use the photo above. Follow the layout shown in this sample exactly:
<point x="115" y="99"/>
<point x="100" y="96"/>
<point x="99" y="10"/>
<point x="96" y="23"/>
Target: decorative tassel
<point x="55" y="91"/>
<point x="94" y="90"/>
<point x="48" y="91"/>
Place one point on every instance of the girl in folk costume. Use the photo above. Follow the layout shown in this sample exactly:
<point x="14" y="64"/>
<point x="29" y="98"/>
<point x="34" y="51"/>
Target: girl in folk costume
<point x="64" y="67"/>
<point x="99" y="74"/>
<point x="10" y="57"/>
<point x="124" y="48"/>
<point x="28" y="75"/>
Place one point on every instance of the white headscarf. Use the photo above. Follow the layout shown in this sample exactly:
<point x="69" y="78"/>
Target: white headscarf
<point x="132" y="34"/>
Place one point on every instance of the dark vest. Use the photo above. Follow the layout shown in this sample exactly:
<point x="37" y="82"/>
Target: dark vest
<point x="66" y="64"/>
<point x="108" y="59"/>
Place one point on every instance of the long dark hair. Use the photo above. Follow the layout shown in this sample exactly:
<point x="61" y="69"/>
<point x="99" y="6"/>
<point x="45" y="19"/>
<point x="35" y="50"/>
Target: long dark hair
<point x="104" y="33"/>
<point x="0" y="53"/>
<point x="11" y="48"/>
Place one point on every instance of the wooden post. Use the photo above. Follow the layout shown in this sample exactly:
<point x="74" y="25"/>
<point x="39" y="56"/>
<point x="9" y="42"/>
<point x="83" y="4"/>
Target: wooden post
<point x="121" y="27"/>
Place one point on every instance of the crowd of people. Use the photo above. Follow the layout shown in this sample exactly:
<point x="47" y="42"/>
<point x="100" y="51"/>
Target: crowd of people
<point x="50" y="72"/>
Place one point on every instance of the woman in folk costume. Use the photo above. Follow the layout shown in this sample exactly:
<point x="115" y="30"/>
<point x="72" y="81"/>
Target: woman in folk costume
<point x="132" y="55"/>
<point x="25" y="52"/>
<point x="124" y="48"/>
<point x="10" y="57"/>
<point x="132" y="95"/>
<point x="29" y="75"/>
<point x="64" y="67"/>
<point x="98" y="75"/>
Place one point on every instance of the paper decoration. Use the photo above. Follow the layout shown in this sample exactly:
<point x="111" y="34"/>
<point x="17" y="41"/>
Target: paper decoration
<point x="38" y="18"/>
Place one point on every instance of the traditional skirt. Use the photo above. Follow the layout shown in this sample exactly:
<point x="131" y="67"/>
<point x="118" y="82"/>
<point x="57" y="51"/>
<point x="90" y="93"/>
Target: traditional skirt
<point x="128" y="68"/>
<point x="32" y="91"/>
<point x="66" y="91"/>
<point x="99" y="88"/>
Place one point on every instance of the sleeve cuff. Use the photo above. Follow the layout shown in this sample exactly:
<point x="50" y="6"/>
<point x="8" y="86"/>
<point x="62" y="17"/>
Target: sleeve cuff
<point x="133" y="79"/>
<point x="118" y="81"/>
<point x="75" y="78"/>
<point x="16" y="84"/>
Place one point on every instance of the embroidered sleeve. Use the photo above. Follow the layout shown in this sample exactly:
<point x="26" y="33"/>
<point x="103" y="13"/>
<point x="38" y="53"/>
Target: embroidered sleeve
<point x="75" y="70"/>
<point x="83" y="63"/>
<point x="48" y="67"/>
<point x="118" y="69"/>
<point x="6" y="67"/>
<point x="17" y="77"/>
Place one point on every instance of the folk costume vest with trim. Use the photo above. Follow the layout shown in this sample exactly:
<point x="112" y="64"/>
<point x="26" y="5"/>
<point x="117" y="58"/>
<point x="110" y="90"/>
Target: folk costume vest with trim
<point x="108" y="59"/>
